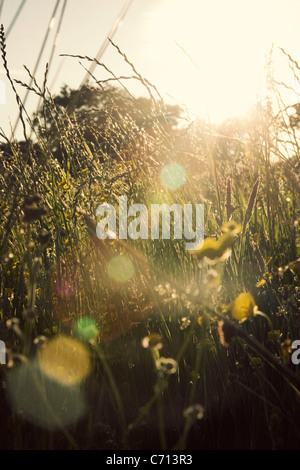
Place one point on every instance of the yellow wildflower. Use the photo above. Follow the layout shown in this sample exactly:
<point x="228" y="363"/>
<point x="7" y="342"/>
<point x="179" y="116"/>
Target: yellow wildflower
<point x="209" y="248"/>
<point x="244" y="307"/>
<point x="214" y="249"/>
<point x="266" y="276"/>
<point x="260" y="283"/>
<point x="294" y="266"/>
<point x="225" y="241"/>
<point x="286" y="347"/>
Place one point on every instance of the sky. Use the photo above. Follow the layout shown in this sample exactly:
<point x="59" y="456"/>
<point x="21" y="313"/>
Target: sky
<point x="208" y="55"/>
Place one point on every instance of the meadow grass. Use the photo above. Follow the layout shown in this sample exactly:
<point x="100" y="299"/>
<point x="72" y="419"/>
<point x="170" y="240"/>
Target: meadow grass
<point x="173" y="357"/>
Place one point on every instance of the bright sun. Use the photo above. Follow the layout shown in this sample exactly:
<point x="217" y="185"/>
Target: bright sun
<point x="212" y="55"/>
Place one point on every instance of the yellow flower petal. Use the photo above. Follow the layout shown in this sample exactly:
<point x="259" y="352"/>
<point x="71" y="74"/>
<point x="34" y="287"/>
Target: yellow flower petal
<point x="213" y="249"/>
<point x="225" y="241"/>
<point x="209" y="248"/>
<point x="260" y="283"/>
<point x="243" y="307"/>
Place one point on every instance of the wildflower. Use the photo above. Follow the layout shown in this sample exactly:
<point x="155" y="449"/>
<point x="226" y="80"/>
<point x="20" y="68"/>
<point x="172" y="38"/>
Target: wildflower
<point x="167" y="365"/>
<point x="225" y="241"/>
<point x="209" y="249"/>
<point x="294" y="266"/>
<point x="195" y="411"/>
<point x="16" y="264"/>
<point x="185" y="323"/>
<point x="286" y="347"/>
<point x="153" y="342"/>
<point x="244" y="307"/>
<point x="38" y="291"/>
<point x="213" y="249"/>
<point x="266" y="276"/>
<point x="10" y="293"/>
<point x="260" y="283"/>
<point x="195" y="375"/>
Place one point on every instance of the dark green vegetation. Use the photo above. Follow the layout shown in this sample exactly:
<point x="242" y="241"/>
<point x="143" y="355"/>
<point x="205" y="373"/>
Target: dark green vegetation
<point x="150" y="369"/>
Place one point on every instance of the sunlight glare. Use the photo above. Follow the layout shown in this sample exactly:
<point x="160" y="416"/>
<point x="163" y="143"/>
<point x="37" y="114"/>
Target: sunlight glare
<point x="218" y="52"/>
<point x="65" y="360"/>
<point x="120" y="268"/>
<point x="173" y="176"/>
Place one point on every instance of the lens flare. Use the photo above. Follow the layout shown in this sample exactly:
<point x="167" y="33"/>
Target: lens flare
<point x="65" y="360"/>
<point x="43" y="401"/>
<point x="173" y="176"/>
<point x="66" y="288"/>
<point x="120" y="268"/>
<point x="86" y="329"/>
